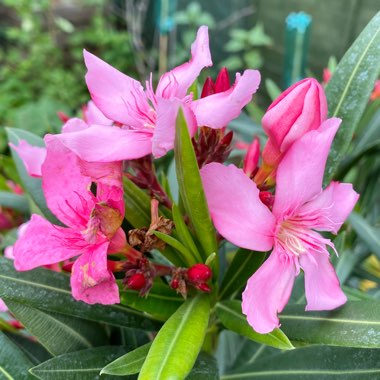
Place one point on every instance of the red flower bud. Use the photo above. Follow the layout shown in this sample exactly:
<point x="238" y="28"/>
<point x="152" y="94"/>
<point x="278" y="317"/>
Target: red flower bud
<point x="175" y="283"/>
<point x="204" y="287"/>
<point x="222" y="82"/>
<point x="199" y="273"/>
<point x="267" y="198"/>
<point x="208" y="88"/>
<point x="251" y="159"/>
<point x="62" y="116"/>
<point x="136" y="281"/>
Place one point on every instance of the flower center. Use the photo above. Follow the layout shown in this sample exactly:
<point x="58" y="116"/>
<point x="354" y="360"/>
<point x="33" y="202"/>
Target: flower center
<point x="290" y="237"/>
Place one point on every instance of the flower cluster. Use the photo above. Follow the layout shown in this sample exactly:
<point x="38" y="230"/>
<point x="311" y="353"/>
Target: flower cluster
<point x="278" y="205"/>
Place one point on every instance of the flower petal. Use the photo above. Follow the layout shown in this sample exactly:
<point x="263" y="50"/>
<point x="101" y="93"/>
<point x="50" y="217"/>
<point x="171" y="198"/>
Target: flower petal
<point x="176" y="82"/>
<point x="74" y="125"/>
<point x="268" y="291"/>
<point x="91" y="281"/>
<point x="93" y="115"/>
<point x="32" y="157"/>
<point x="235" y="207"/>
<point x="119" y="97"/>
<point x="42" y="243"/>
<point x="329" y="210"/>
<point x="226" y="105"/>
<point x="322" y="286"/>
<point x="164" y="132"/>
<point x="3" y="306"/>
<point x="107" y="144"/>
<point x="300" y="173"/>
<point x="66" y="189"/>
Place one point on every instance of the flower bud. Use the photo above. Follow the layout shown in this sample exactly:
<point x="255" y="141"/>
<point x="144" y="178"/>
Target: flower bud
<point x="199" y="273"/>
<point x="267" y="198"/>
<point x="136" y="281"/>
<point x="251" y="159"/>
<point x="222" y="82"/>
<point x="204" y="287"/>
<point x="299" y="109"/>
<point x="175" y="283"/>
<point x="208" y="88"/>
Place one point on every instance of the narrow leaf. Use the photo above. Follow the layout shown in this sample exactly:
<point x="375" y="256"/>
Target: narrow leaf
<point x="244" y="264"/>
<point x="128" y="364"/>
<point x="14" y="201"/>
<point x="44" y="289"/>
<point x="14" y="364"/>
<point x="349" y="89"/>
<point x="83" y="365"/>
<point x="316" y="362"/>
<point x="191" y="190"/>
<point x="56" y="332"/>
<point x="177" y="344"/>
<point x="356" y="324"/>
<point x="229" y="312"/>
<point x="369" y="234"/>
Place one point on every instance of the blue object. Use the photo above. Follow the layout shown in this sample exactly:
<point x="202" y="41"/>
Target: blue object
<point x="297" y="36"/>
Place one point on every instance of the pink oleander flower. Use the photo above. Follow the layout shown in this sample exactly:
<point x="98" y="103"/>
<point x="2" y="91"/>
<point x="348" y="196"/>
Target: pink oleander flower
<point x="301" y="209"/>
<point x="298" y="110"/>
<point x="92" y="223"/>
<point x="148" y="117"/>
<point x="3" y="306"/>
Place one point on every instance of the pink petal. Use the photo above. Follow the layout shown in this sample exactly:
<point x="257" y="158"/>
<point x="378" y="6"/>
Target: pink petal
<point x="91" y="281"/>
<point x="322" y="286"/>
<point x="66" y="189"/>
<point x="329" y="210"/>
<point x="32" y="157"/>
<point x="3" y="306"/>
<point x="176" y="82"/>
<point x="93" y="115"/>
<point x="268" y="291"/>
<point x="164" y="132"/>
<point x="226" y="105"/>
<point x="74" y="125"/>
<point x="119" y="97"/>
<point x="235" y="207"/>
<point x="42" y="244"/>
<point x="300" y="173"/>
<point x="118" y="242"/>
<point x="107" y="144"/>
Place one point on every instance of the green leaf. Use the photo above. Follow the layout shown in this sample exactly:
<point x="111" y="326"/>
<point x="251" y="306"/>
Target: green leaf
<point x="272" y="89"/>
<point x="243" y="265"/>
<point x="128" y="364"/>
<point x="349" y="89"/>
<point x="229" y="312"/>
<point x="32" y="185"/>
<point x="316" y="362"/>
<point x="33" y="350"/>
<point x="177" y="344"/>
<point x="56" y="332"/>
<point x="205" y="368"/>
<point x="14" y="364"/>
<point x="186" y="255"/>
<point x="356" y="324"/>
<point x="44" y="289"/>
<point x="369" y="234"/>
<point x="79" y="365"/>
<point x="191" y="190"/>
<point x="161" y="302"/>
<point x="184" y="234"/>
<point x="14" y="201"/>
<point x="137" y="205"/>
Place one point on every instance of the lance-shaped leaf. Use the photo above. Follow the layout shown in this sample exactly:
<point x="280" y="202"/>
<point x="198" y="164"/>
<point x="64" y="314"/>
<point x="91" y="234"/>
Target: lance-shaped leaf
<point x="83" y="365"/>
<point x="14" y="365"/>
<point x="356" y="324"/>
<point x="128" y="364"/>
<point x="349" y="89"/>
<point x="14" y="201"/>
<point x="191" y="190"/>
<point x="47" y="290"/>
<point x="369" y="234"/>
<point x="177" y="344"/>
<point x="316" y="362"/>
<point x="229" y="312"/>
<point x="161" y="302"/>
<point x="32" y="185"/>
<point x="244" y="264"/>
<point x="58" y="333"/>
